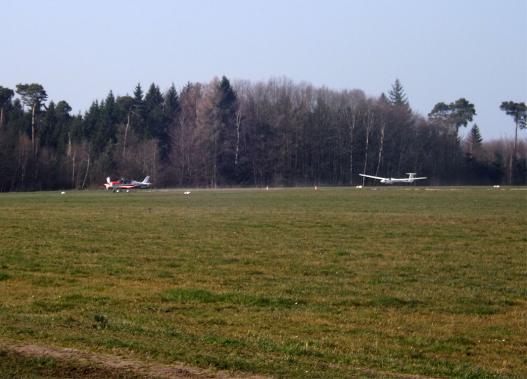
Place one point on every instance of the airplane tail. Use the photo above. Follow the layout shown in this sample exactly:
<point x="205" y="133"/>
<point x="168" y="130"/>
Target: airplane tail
<point x="411" y="175"/>
<point x="108" y="183"/>
<point x="146" y="180"/>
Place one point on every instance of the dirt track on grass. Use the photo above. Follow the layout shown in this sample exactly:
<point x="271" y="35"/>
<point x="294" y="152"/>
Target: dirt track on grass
<point x="120" y="364"/>
<point x="140" y="369"/>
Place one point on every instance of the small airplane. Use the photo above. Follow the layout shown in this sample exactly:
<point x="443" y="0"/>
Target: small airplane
<point x="126" y="184"/>
<point x="411" y="178"/>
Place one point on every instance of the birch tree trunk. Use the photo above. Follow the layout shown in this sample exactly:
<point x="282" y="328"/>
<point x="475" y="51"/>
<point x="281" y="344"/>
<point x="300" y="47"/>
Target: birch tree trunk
<point x="237" y="147"/>
<point x="87" y="170"/>
<point x="369" y="123"/>
<point x="215" y="161"/>
<point x="33" y="115"/>
<point x="381" y="147"/>
<point x="514" y="152"/>
<point x="73" y="170"/>
<point x="126" y="133"/>
<point x="351" y="131"/>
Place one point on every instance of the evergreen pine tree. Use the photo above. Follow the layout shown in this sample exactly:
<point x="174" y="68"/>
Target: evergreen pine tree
<point x="156" y="124"/>
<point x="227" y="134"/>
<point x="473" y="141"/>
<point x="106" y="125"/>
<point x="153" y="112"/>
<point x="171" y="111"/>
<point x="138" y="94"/>
<point x="139" y="111"/>
<point x="519" y="112"/>
<point x="171" y="106"/>
<point x="60" y="135"/>
<point x="462" y="112"/>
<point x="455" y="114"/>
<point x="63" y="109"/>
<point x="475" y="135"/>
<point x="398" y="128"/>
<point x="5" y="99"/>
<point x="397" y="95"/>
<point x="49" y="122"/>
<point x="89" y="124"/>
<point x="33" y="96"/>
<point x="126" y="107"/>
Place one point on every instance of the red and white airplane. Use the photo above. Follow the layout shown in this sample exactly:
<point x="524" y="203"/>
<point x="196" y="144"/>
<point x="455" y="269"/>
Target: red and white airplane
<point x="126" y="184"/>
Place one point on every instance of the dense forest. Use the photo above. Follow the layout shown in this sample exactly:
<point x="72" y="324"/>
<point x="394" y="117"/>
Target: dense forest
<point x="276" y="133"/>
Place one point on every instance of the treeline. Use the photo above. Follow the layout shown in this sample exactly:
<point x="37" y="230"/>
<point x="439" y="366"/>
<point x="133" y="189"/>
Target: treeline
<point x="246" y="134"/>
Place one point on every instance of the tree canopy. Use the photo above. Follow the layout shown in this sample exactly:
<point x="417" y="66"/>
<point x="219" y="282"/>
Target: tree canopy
<point x="517" y="110"/>
<point x="32" y="95"/>
<point x="225" y="133"/>
<point x="456" y="114"/>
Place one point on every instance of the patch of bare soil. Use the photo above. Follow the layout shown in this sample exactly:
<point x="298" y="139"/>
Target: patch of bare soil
<point x="119" y="364"/>
<point x="138" y="369"/>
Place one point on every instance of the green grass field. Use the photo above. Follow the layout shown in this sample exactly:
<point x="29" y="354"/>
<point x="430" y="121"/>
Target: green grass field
<point x="338" y="282"/>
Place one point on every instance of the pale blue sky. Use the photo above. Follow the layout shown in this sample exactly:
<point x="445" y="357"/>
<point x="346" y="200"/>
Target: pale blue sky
<point x="440" y="50"/>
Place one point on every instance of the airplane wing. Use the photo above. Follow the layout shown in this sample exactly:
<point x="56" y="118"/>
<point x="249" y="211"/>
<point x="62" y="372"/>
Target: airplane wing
<point x="373" y="177"/>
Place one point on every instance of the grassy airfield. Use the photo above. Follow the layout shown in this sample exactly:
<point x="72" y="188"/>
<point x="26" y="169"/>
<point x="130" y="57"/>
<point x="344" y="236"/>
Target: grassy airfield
<point x="338" y="282"/>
